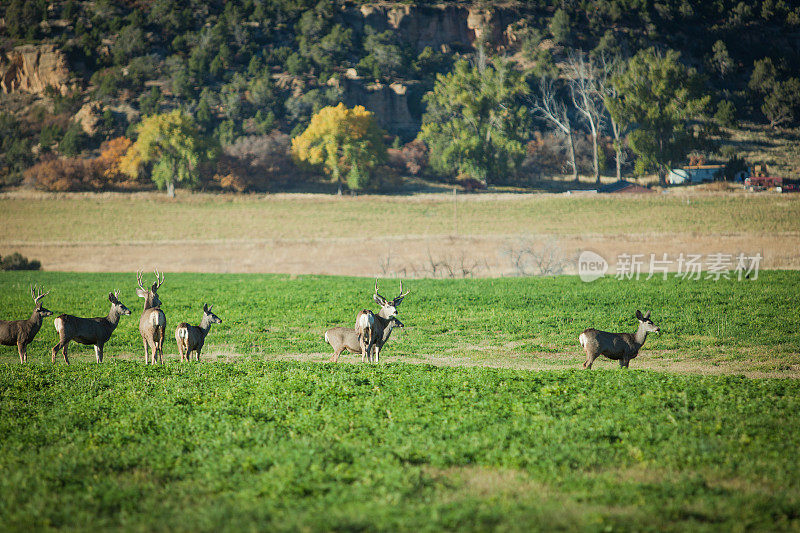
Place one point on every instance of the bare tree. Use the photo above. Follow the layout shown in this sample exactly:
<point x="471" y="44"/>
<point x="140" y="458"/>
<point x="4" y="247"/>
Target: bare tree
<point x="548" y="106"/>
<point x="610" y="67"/>
<point x="587" y="99"/>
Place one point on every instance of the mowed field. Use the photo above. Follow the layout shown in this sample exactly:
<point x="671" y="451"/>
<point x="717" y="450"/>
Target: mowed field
<point x="265" y="435"/>
<point x="380" y="235"/>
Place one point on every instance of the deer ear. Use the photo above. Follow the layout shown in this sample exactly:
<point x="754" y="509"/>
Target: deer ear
<point x="205" y="308"/>
<point x="111" y="297"/>
<point x="639" y="315"/>
<point x="647" y="315"/>
<point x="154" y="287"/>
<point x="141" y="293"/>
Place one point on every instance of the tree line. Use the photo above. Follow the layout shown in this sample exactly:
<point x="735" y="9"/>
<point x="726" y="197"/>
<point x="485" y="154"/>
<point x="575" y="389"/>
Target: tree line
<point x="250" y="77"/>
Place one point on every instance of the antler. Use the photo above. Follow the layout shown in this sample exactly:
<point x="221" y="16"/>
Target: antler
<point x="402" y="294"/>
<point x="36" y="294"/>
<point x="159" y="278"/>
<point x="139" y="279"/>
<point x="116" y="294"/>
<point x="376" y="290"/>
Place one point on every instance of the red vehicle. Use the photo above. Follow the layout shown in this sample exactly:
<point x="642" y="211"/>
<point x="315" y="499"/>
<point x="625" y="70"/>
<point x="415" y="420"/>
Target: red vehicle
<point x="759" y="179"/>
<point x="790" y="186"/>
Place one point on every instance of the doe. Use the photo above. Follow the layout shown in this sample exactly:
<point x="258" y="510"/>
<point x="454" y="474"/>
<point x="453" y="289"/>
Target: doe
<point x="90" y="331"/>
<point x="22" y="332"/>
<point x="620" y="347"/>
<point x="191" y="338"/>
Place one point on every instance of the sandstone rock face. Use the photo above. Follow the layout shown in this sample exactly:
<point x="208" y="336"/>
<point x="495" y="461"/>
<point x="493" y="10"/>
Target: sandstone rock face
<point x="88" y="117"/>
<point x="420" y="26"/>
<point x="435" y="26"/>
<point x="32" y="68"/>
<point x="388" y="102"/>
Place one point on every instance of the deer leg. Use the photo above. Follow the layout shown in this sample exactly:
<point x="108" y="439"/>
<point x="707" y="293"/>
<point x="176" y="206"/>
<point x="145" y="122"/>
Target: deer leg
<point x="146" y="355"/>
<point x="377" y="350"/>
<point x="197" y="355"/>
<point x="98" y="352"/>
<point x="336" y="353"/>
<point x="66" y="359"/>
<point x="55" y="350"/>
<point x="153" y="351"/>
<point x="623" y="363"/>
<point x="22" y="355"/>
<point x="590" y="358"/>
<point x="160" y="342"/>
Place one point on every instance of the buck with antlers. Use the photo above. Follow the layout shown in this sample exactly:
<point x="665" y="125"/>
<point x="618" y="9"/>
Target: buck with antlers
<point x="342" y="339"/>
<point x="22" y="332"/>
<point x="370" y="328"/>
<point x="89" y="331"/>
<point x="620" y="347"/>
<point x="191" y="338"/>
<point x="153" y="322"/>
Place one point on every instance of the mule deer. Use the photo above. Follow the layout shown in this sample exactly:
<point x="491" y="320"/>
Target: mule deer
<point x="370" y="327"/>
<point x="153" y="322"/>
<point x="94" y="331"/>
<point x="620" y="347"/>
<point x="191" y="338"/>
<point x="22" y="332"/>
<point x="342" y="339"/>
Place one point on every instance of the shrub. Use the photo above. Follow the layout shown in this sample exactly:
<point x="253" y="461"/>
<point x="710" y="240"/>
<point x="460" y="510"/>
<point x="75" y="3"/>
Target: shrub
<point x="254" y="161"/>
<point x="411" y="158"/>
<point x="17" y="261"/>
<point x="65" y="174"/>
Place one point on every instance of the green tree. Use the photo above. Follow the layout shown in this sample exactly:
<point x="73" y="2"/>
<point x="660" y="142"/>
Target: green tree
<point x="172" y="146"/>
<point x="73" y="141"/>
<point x="721" y="60"/>
<point x="474" y="123"/>
<point x="384" y="57"/>
<point x="346" y="142"/>
<point x="150" y="102"/>
<point x="658" y="98"/>
<point x="560" y="26"/>
<point x="726" y="114"/>
<point x="780" y="99"/>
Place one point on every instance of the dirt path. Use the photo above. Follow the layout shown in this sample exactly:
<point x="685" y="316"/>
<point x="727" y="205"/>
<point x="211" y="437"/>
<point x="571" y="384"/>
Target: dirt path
<point x="765" y="366"/>
<point x="404" y="255"/>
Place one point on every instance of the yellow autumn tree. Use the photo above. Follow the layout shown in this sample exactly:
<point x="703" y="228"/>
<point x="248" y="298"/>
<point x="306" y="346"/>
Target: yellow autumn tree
<point x="110" y="158"/>
<point x="171" y="145"/>
<point x="346" y="142"/>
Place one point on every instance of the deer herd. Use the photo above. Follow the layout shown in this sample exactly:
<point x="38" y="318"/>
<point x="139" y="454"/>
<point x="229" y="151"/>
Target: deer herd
<point x="367" y="338"/>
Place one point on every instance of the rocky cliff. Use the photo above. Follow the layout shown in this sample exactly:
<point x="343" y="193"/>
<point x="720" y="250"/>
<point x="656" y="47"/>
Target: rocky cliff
<point x="390" y="103"/>
<point x="435" y="26"/>
<point x="32" y="68"/>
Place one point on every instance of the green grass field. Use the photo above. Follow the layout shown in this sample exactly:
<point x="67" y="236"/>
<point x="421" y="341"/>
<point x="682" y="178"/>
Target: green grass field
<point x="307" y="447"/>
<point x="243" y="441"/>
<point x="482" y="320"/>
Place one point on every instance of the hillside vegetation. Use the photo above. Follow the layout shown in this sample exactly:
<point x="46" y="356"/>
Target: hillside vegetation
<point x="248" y="76"/>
